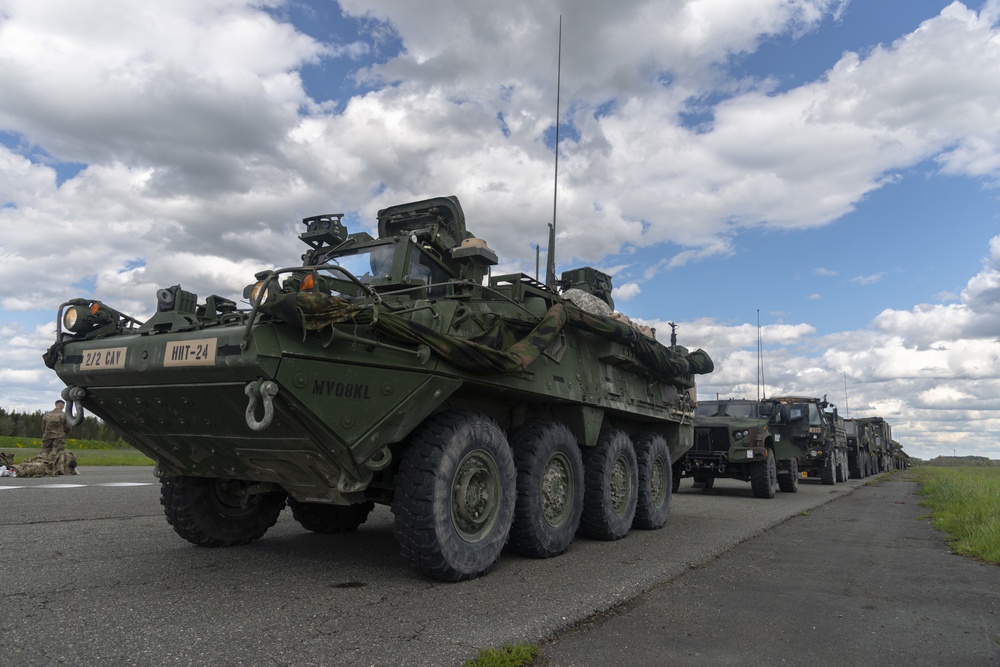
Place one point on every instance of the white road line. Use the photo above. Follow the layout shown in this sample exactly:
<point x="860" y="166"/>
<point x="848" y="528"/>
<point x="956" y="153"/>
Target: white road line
<point x="76" y="486"/>
<point x="126" y="484"/>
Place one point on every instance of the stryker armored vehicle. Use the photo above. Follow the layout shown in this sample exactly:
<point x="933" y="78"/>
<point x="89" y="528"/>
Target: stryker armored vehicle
<point x="860" y="460"/>
<point x="810" y="432"/>
<point x="732" y="440"/>
<point x="393" y="370"/>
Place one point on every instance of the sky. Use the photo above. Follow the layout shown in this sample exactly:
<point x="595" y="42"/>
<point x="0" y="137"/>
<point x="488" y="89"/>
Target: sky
<point x="825" y="170"/>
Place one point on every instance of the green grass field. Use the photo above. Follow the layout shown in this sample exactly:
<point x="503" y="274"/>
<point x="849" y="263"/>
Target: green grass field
<point x="965" y="503"/>
<point x="87" y="452"/>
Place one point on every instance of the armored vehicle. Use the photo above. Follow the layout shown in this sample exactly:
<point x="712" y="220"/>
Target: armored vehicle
<point x="393" y="370"/>
<point x="732" y="440"/>
<point x="860" y="459"/>
<point x="809" y="431"/>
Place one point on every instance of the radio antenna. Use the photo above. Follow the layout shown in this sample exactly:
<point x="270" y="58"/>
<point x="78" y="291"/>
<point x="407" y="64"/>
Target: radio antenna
<point x="847" y="404"/>
<point x="760" y="362"/>
<point x="550" y="260"/>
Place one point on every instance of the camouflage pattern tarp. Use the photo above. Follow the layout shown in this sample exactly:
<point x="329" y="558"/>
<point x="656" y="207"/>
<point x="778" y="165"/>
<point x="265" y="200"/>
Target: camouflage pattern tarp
<point x="63" y="463"/>
<point x="501" y="349"/>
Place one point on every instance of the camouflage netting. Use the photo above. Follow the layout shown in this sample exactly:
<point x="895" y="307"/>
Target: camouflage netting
<point x="503" y="348"/>
<point x="62" y="463"/>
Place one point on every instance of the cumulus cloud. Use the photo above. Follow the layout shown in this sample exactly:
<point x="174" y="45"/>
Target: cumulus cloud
<point x="195" y="149"/>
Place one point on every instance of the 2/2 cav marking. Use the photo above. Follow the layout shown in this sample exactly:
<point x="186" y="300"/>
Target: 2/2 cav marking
<point x="103" y="359"/>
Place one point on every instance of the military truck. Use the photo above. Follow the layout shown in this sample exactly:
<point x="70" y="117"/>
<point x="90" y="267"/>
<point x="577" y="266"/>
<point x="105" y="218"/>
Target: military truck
<point x="810" y="432"/>
<point x="393" y="370"/>
<point x="881" y="438"/>
<point x="732" y="440"/>
<point x="860" y="457"/>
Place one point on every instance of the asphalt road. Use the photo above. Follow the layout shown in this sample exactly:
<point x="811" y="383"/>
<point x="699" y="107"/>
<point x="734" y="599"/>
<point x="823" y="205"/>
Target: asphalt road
<point x="94" y="574"/>
<point x="863" y="580"/>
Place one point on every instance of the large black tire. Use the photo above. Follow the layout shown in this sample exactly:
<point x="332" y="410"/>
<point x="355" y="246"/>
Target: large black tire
<point x="655" y="481"/>
<point x="611" y="486"/>
<point x="549" y="489"/>
<point x="826" y="473"/>
<point x="206" y="511"/>
<point x="454" y="496"/>
<point x="764" y="477"/>
<point x="326" y="518"/>
<point x="789" y="483"/>
<point x="675" y="477"/>
<point x="857" y="471"/>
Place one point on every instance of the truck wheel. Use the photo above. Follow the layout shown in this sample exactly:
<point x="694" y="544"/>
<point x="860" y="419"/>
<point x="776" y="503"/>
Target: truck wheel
<point x="549" y="489"/>
<point x="764" y="477"/>
<point x="704" y="481"/>
<point x="454" y="496"/>
<point x="826" y="474"/>
<point x="789" y="483"/>
<point x="611" y="486"/>
<point x="326" y="518"/>
<point x="655" y="481"/>
<point x="675" y="478"/>
<point x="208" y="512"/>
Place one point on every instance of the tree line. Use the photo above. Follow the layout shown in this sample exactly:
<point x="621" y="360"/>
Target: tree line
<point x="29" y="425"/>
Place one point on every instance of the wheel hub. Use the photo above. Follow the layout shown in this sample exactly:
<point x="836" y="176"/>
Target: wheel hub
<point x="557" y="489"/>
<point x="475" y="496"/>
<point x="621" y="486"/>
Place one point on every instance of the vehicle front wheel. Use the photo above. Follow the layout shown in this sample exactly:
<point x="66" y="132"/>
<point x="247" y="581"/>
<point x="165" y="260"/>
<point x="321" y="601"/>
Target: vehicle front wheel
<point x="764" y="477"/>
<point x="789" y="483"/>
<point x="549" y="489"/>
<point x="827" y="474"/>
<point x="213" y="512"/>
<point x="454" y="496"/>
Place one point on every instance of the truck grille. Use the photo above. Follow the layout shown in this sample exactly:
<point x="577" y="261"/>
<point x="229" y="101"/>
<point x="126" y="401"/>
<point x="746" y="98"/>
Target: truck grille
<point x="711" y="440"/>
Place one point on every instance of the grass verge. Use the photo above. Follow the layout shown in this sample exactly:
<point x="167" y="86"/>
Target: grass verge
<point x="90" y="457"/>
<point x="513" y="655"/>
<point x="965" y="504"/>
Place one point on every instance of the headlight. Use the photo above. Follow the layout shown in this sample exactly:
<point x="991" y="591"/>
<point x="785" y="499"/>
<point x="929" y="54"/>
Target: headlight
<point x="81" y="318"/>
<point x="255" y="292"/>
<point x="813" y="453"/>
<point x="70" y="318"/>
<point x="739" y="435"/>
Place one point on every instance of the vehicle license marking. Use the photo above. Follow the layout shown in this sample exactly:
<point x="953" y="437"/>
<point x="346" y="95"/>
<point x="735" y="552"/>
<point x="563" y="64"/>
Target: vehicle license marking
<point x="190" y="352"/>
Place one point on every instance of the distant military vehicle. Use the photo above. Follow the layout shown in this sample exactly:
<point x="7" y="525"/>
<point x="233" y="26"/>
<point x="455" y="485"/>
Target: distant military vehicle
<point x="393" y="370"/>
<point x="732" y="440"/>
<point x="881" y="442"/>
<point x="810" y="431"/>
<point x="860" y="441"/>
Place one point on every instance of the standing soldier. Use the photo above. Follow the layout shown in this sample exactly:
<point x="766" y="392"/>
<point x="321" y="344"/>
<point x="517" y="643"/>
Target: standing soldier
<point x="54" y="430"/>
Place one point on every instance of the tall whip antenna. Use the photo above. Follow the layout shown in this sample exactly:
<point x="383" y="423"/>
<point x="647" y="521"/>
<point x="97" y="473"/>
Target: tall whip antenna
<point x="760" y="361"/>
<point x="550" y="261"/>
<point x="847" y="405"/>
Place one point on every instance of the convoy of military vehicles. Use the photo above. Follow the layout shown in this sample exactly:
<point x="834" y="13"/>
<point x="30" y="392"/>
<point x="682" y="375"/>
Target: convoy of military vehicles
<point x="774" y="442"/>
<point x="485" y="410"/>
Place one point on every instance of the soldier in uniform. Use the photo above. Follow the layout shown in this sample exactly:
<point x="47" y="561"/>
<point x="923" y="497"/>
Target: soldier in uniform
<point x="54" y="430"/>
